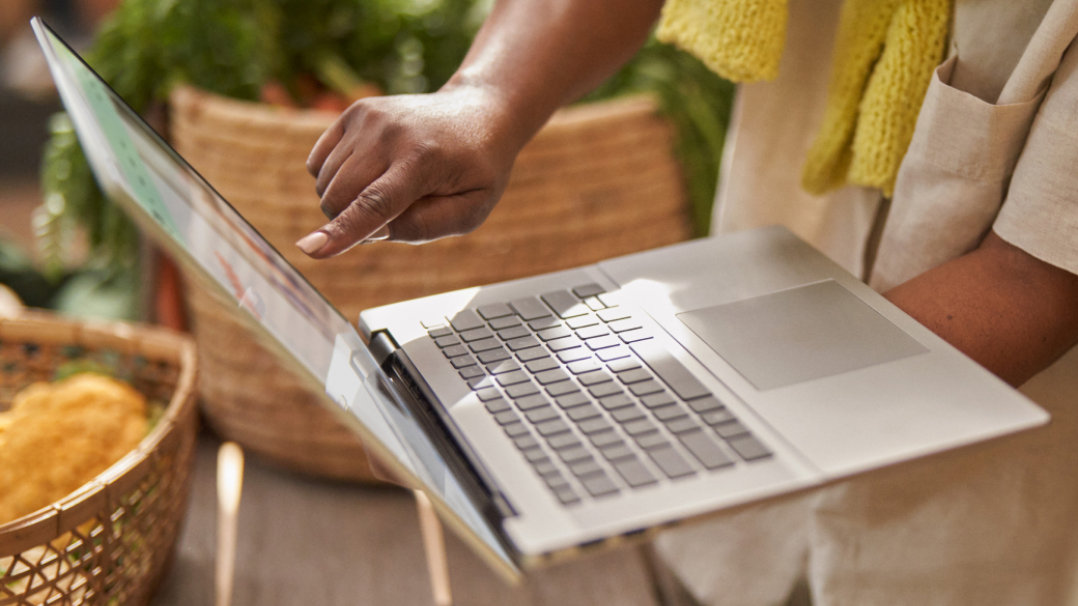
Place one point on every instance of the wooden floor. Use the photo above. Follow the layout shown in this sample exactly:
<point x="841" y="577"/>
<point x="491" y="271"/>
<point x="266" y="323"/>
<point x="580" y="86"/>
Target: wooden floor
<point x="304" y="541"/>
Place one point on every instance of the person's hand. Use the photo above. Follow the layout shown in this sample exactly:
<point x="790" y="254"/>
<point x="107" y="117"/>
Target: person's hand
<point x="411" y="168"/>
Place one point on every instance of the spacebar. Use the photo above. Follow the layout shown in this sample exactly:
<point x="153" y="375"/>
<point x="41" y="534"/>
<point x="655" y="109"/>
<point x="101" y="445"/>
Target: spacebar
<point x="669" y="369"/>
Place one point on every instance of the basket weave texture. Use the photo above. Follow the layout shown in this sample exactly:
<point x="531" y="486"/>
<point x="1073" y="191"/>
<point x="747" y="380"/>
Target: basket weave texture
<point x="110" y="541"/>
<point x="598" y="180"/>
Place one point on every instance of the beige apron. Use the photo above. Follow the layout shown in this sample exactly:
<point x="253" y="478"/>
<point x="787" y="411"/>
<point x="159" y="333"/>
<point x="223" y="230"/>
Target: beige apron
<point x="996" y="147"/>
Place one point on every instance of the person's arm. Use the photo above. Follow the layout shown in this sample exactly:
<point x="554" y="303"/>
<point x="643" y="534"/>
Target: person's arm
<point x="1011" y="312"/>
<point x="419" y="167"/>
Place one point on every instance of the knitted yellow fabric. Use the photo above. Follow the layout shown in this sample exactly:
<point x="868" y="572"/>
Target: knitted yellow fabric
<point x="885" y="51"/>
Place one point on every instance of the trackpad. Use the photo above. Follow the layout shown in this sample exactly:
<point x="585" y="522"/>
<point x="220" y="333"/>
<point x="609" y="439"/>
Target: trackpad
<point x="800" y="334"/>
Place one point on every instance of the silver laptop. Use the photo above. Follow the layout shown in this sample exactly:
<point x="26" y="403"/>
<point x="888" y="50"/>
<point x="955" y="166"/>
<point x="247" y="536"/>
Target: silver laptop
<point x="574" y="410"/>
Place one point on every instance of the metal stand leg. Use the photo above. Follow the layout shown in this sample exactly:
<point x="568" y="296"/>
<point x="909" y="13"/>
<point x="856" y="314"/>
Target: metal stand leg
<point x="434" y="547"/>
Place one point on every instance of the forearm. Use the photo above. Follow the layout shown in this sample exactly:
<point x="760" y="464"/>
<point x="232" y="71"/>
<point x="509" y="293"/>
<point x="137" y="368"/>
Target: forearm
<point x="538" y="55"/>
<point x="1009" y="311"/>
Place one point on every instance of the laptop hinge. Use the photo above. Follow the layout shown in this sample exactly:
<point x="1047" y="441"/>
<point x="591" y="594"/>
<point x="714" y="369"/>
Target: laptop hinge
<point x="382" y="346"/>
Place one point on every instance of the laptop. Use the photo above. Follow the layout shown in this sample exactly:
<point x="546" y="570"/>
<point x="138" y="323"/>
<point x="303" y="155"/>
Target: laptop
<point x="567" y="412"/>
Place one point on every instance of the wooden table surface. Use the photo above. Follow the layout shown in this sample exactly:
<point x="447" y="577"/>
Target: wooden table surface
<point x="305" y="541"/>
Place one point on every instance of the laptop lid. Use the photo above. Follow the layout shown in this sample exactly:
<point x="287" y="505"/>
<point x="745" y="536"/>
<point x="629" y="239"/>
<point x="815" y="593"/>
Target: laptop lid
<point x="183" y="214"/>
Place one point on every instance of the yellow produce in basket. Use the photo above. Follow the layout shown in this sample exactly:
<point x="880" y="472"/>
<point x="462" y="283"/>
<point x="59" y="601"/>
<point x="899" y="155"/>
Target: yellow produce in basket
<point x="58" y="436"/>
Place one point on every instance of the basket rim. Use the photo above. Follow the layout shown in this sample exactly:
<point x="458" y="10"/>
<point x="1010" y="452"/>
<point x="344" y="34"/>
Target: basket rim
<point x="154" y="342"/>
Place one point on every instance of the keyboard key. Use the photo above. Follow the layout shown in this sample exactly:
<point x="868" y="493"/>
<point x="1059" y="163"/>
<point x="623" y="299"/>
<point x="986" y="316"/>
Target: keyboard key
<point x="670" y="462"/>
<point x="554" y="332"/>
<point x="582" y="322"/>
<point x="634" y="376"/>
<point x="604" y="342"/>
<point x="612" y="353"/>
<point x="705" y="404"/>
<point x="615" y="401"/>
<point x="588" y="290"/>
<point x="543" y="468"/>
<point x="563" y="440"/>
<point x="705" y="449"/>
<point x="493" y="355"/>
<point x="522" y="343"/>
<point x="566" y="496"/>
<point x="542" y="364"/>
<point x="564" y="304"/>
<point x="657" y="399"/>
<point x="561" y="388"/>
<point x="521" y="389"/>
<point x="462" y="361"/>
<point x="623" y="364"/>
<point x="443" y="342"/>
<point x="476" y="334"/>
<point x="668" y="413"/>
<point x="628" y="413"/>
<point x="511" y="378"/>
<point x="574" y="453"/>
<point x="633" y="472"/>
<point x="486" y="395"/>
<point x="634" y="335"/>
<point x="530" y="308"/>
<point x="441" y="331"/>
<point x="606" y="438"/>
<point x="454" y="350"/>
<point x="531" y="353"/>
<point x="534" y="455"/>
<point x="613" y="314"/>
<point x="515" y="430"/>
<point x="466" y="320"/>
<point x="572" y="400"/>
<point x="551" y="427"/>
<point x="533" y="401"/>
<point x="681" y="424"/>
<point x="651" y="440"/>
<point x="749" y="448"/>
<point x="497" y="405"/>
<point x="503" y="366"/>
<point x="594" y="377"/>
<point x="544" y="322"/>
<point x="525" y="442"/>
<point x="484" y="344"/>
<point x="506" y="417"/>
<point x="563" y="343"/>
<point x="494" y="310"/>
<point x="513" y="332"/>
<point x="645" y="388"/>
<point x="551" y="376"/>
<point x="576" y="354"/>
<point x="635" y="428"/>
<point x="480" y="383"/>
<point x="542" y="413"/>
<point x="718" y="417"/>
<point x="585" y="467"/>
<point x="670" y="370"/>
<point x="471" y="372"/>
<point x="620" y="326"/>
<point x="595" y="425"/>
<point x="616" y="452"/>
<point x="594" y="303"/>
<point x="592" y="332"/>
<point x="603" y="390"/>
<point x="585" y="411"/>
<point x="503" y="323"/>
<point x="731" y="429"/>
<point x="599" y="485"/>
<point x="585" y="365"/>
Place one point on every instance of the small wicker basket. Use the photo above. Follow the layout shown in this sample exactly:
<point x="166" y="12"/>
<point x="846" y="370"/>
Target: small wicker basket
<point x="110" y="541"/>
<point x="598" y="180"/>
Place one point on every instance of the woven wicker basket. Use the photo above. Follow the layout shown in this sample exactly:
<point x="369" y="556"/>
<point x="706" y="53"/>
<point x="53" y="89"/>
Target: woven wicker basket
<point x="110" y="541"/>
<point x="598" y="180"/>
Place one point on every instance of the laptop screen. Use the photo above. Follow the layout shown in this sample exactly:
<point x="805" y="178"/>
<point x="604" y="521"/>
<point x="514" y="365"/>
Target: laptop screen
<point x="173" y="204"/>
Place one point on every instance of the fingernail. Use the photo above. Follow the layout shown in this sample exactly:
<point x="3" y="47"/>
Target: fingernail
<point x="313" y="242"/>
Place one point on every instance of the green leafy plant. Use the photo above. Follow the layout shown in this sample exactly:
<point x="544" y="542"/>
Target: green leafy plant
<point x="238" y="48"/>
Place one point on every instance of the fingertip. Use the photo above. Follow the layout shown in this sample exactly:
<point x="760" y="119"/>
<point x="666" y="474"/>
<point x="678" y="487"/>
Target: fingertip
<point x="313" y="243"/>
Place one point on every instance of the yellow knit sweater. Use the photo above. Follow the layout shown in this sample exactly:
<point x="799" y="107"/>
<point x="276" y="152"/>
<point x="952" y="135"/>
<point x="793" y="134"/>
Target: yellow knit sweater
<point x="885" y="51"/>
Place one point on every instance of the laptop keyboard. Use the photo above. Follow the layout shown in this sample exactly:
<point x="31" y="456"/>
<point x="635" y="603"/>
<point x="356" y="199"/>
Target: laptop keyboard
<point x="592" y="401"/>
